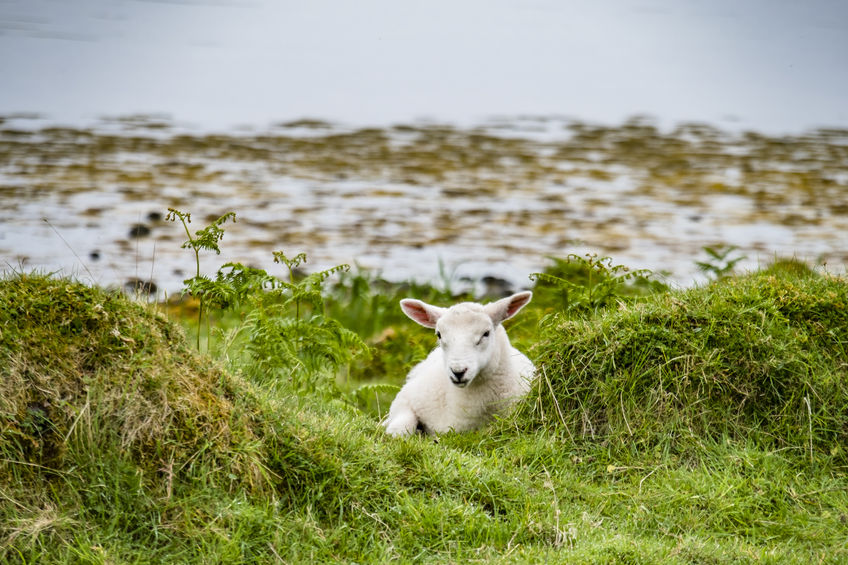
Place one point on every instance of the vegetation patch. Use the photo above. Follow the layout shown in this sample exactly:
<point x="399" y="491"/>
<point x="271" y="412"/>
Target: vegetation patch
<point x="668" y="427"/>
<point x="761" y="358"/>
<point x="64" y="345"/>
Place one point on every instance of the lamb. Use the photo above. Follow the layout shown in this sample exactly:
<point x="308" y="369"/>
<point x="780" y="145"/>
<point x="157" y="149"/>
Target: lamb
<point x="473" y="374"/>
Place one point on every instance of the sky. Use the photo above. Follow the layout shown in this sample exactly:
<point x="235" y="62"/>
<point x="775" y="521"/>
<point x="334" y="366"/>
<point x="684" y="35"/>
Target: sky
<point x="771" y="65"/>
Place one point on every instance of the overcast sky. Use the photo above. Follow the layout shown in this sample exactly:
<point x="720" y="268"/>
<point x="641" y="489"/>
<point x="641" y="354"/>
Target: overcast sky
<point x="771" y="65"/>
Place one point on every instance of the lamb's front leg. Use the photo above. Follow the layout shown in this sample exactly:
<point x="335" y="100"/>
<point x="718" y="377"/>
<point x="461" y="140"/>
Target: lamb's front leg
<point x="401" y="420"/>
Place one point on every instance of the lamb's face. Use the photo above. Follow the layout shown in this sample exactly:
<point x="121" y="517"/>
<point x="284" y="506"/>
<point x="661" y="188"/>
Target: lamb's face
<point x="466" y="332"/>
<point x="467" y="341"/>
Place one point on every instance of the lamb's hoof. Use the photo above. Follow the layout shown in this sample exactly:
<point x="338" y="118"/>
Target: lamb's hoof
<point x="397" y="432"/>
<point x="401" y="423"/>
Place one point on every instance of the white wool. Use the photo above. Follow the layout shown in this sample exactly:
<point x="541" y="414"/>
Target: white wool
<point x="473" y="374"/>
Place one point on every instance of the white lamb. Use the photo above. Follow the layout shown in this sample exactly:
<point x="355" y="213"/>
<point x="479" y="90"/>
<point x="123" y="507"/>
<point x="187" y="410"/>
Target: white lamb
<point x="473" y="374"/>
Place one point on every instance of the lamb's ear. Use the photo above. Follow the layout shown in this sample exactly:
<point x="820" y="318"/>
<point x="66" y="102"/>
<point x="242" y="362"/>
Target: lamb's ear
<point x="508" y="307"/>
<point x="421" y="312"/>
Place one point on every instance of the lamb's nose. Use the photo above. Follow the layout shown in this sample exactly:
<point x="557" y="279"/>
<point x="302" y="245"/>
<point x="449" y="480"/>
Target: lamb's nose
<point x="459" y="373"/>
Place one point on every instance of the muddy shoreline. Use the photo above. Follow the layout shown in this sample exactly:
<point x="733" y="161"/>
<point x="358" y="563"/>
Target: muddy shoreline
<point x="423" y="201"/>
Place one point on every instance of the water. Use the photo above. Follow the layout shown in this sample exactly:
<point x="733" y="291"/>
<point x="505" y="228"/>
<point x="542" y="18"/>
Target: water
<point x="771" y="66"/>
<point x="419" y="201"/>
<point x="426" y="199"/>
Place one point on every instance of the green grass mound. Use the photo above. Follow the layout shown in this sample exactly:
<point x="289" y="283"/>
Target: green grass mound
<point x="82" y="366"/>
<point x="119" y="444"/>
<point x="105" y="412"/>
<point x="760" y="358"/>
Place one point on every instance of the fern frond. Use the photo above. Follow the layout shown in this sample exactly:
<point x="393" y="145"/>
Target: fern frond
<point x="320" y="276"/>
<point x="375" y="387"/>
<point x="208" y="237"/>
<point x="554" y="280"/>
<point x="294" y="262"/>
<point x="545" y="277"/>
<point x="245" y="280"/>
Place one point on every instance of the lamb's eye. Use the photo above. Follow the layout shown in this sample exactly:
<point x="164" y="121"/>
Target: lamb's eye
<point x="438" y="335"/>
<point x="486" y="333"/>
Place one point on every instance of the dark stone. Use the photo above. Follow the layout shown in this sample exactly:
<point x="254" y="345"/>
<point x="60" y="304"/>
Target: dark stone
<point x="94" y="255"/>
<point x="496" y="287"/>
<point x="138" y="286"/>
<point x="139" y="230"/>
<point x="154" y="217"/>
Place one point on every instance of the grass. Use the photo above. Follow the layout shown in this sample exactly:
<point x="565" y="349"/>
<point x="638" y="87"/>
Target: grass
<point x="668" y="428"/>
<point x="762" y="356"/>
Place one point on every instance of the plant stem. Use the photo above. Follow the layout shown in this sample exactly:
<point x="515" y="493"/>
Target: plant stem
<point x="197" y="274"/>
<point x="199" y="321"/>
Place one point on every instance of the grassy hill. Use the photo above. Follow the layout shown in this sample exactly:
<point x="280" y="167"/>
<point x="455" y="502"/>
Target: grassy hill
<point x="702" y="426"/>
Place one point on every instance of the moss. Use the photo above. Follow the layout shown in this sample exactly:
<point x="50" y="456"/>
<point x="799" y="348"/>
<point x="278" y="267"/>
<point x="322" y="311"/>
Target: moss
<point x="64" y="346"/>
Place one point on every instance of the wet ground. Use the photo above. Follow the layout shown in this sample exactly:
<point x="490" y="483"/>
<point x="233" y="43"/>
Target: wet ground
<point x="422" y="201"/>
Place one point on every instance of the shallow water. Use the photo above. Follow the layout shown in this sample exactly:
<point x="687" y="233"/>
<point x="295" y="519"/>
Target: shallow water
<point x="759" y="64"/>
<point x="423" y="201"/>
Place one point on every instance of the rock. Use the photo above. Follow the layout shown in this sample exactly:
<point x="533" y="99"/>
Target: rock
<point x="139" y="230"/>
<point x="496" y="286"/>
<point x="138" y="286"/>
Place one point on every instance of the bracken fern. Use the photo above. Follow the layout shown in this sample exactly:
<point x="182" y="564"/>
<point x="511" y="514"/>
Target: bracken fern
<point x="585" y="284"/>
<point x="206" y="238"/>
<point x="290" y="334"/>
<point x="290" y="338"/>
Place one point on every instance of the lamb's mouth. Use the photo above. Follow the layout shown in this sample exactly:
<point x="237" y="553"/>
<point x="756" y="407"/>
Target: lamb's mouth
<point x="459" y="383"/>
